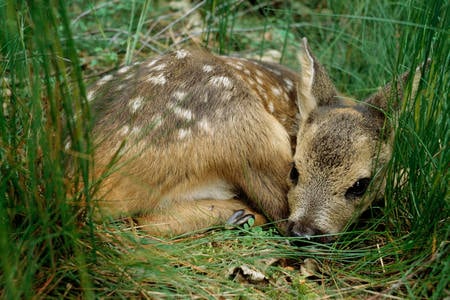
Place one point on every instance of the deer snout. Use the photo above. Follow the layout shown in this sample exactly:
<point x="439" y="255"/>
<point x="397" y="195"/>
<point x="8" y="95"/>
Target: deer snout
<point x="303" y="229"/>
<point x="306" y="229"/>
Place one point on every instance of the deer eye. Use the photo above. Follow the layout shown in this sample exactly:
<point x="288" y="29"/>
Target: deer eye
<point x="293" y="175"/>
<point x="357" y="189"/>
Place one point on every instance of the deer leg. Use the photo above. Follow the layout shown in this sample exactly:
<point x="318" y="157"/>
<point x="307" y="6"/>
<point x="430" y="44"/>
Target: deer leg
<point x="198" y="214"/>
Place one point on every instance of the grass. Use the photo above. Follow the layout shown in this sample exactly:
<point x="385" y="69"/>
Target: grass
<point x="50" y="50"/>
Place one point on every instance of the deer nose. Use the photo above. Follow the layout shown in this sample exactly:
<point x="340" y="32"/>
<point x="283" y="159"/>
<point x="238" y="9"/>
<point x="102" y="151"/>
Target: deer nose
<point x="303" y="229"/>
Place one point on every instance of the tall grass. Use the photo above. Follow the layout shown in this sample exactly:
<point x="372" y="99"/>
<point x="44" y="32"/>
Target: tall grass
<point x="41" y="82"/>
<point x="419" y="206"/>
<point x="51" y="249"/>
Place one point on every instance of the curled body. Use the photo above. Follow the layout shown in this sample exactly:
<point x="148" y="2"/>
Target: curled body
<point x="200" y="139"/>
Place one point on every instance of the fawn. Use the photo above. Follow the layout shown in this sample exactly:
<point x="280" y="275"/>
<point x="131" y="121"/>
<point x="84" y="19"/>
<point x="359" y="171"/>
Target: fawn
<point x="201" y="140"/>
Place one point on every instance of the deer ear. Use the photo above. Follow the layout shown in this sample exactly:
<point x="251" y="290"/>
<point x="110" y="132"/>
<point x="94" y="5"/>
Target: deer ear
<point x="390" y="97"/>
<point x="316" y="87"/>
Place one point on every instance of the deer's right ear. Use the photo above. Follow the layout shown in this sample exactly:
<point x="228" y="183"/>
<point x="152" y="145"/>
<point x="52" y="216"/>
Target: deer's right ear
<point x="390" y="96"/>
<point x="315" y="88"/>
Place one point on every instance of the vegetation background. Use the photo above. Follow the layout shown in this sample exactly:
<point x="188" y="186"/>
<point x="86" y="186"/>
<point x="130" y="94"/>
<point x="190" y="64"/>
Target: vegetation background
<point x="50" y="50"/>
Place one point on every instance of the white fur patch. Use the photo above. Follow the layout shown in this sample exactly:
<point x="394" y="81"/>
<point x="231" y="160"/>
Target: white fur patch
<point x="156" y="121"/>
<point x="183" y="113"/>
<point x="104" y="79"/>
<point x="184" y="133"/>
<point x="204" y="125"/>
<point x="124" y="130"/>
<point x="160" y="79"/>
<point x="123" y="69"/>
<point x="271" y="107"/>
<point x="135" y="103"/>
<point x="158" y="67"/>
<point x="207" y="68"/>
<point x="237" y="66"/>
<point x="90" y="95"/>
<point x="135" y="130"/>
<point x="120" y="87"/>
<point x="259" y="80"/>
<point x="221" y="81"/>
<point x="213" y="190"/>
<point x="289" y="84"/>
<point x="262" y="92"/>
<point x="179" y="95"/>
<point x="181" y="54"/>
<point x="250" y="81"/>
<point x="129" y="76"/>
<point x="152" y="62"/>
<point x="276" y="91"/>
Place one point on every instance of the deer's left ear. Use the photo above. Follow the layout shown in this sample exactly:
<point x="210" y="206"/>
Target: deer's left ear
<point x="390" y="97"/>
<point x="315" y="88"/>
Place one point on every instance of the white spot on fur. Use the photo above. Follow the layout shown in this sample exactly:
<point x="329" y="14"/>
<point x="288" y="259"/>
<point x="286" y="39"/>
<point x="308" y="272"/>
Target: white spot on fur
<point x="184" y="133"/>
<point x="160" y="79"/>
<point x="276" y="91"/>
<point x="259" y="80"/>
<point x="262" y="92"/>
<point x="135" y="130"/>
<point x="247" y="72"/>
<point x="135" y="103"/>
<point x="181" y="53"/>
<point x="129" y="76"/>
<point x="221" y="81"/>
<point x="237" y="66"/>
<point x="152" y="62"/>
<point x="259" y="73"/>
<point x="207" y="68"/>
<point x="120" y="87"/>
<point x="159" y="67"/>
<point x="124" y="130"/>
<point x="289" y="84"/>
<point x="183" y="113"/>
<point x="90" y="95"/>
<point x="104" y="79"/>
<point x="204" y="125"/>
<point x="179" y="95"/>
<point x="156" y="121"/>
<point x="123" y="69"/>
<point x="271" y="107"/>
